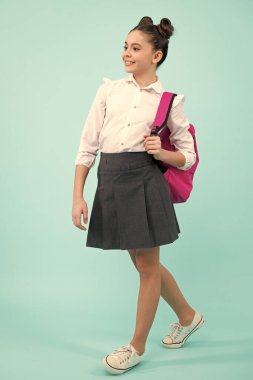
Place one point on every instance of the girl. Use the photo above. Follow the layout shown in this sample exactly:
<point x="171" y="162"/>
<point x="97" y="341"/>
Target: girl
<point x="132" y="208"/>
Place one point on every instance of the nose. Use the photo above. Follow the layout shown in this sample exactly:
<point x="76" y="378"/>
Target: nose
<point x="126" y="53"/>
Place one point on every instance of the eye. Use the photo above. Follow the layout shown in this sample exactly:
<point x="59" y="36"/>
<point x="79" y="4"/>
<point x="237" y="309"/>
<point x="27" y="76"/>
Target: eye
<point x="135" y="49"/>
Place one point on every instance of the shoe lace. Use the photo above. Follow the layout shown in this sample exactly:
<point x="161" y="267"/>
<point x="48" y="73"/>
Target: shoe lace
<point x="175" y="330"/>
<point x="123" y="353"/>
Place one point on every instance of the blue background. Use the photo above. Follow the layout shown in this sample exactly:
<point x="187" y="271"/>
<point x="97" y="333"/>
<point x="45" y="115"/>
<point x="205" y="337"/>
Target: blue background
<point x="64" y="306"/>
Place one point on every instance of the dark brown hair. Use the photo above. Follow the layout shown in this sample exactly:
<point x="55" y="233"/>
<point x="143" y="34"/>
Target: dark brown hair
<point x="159" y="34"/>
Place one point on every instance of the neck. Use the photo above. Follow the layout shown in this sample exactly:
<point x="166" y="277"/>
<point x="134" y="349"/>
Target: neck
<point x="146" y="79"/>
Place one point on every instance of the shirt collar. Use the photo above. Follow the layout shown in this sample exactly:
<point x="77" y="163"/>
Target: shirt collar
<point x="157" y="86"/>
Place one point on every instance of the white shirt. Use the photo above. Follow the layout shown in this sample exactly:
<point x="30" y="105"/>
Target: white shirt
<point x="122" y="113"/>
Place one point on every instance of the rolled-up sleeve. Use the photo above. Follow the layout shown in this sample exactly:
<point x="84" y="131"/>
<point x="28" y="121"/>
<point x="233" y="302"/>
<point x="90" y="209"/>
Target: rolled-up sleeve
<point x="89" y="141"/>
<point x="180" y="137"/>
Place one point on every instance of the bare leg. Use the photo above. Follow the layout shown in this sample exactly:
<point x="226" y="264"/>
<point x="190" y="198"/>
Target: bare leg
<point x="172" y="294"/>
<point x="148" y="265"/>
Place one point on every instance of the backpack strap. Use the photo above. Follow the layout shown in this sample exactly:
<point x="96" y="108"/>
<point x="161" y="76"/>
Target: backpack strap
<point x="163" y="112"/>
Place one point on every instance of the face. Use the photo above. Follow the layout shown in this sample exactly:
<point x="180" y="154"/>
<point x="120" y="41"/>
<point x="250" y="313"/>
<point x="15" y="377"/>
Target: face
<point x="138" y="55"/>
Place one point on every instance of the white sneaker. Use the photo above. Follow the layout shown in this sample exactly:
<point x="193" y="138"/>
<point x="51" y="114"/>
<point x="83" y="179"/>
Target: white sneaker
<point x="122" y="359"/>
<point x="179" y="334"/>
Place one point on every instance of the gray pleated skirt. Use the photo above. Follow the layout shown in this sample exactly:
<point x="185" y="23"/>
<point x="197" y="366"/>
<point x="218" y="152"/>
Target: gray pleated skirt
<point x="132" y="207"/>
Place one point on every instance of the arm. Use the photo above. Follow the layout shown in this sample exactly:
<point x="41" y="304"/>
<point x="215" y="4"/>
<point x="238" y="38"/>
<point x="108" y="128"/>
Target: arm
<point x="173" y="158"/>
<point x="89" y="141"/>
<point x="153" y="146"/>
<point x="81" y="173"/>
<point x="79" y="204"/>
<point x="180" y="137"/>
<point x="86" y="156"/>
<point x="185" y="156"/>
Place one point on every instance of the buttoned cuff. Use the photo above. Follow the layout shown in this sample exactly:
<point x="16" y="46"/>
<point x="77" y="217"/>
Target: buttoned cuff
<point x="86" y="159"/>
<point x="190" y="159"/>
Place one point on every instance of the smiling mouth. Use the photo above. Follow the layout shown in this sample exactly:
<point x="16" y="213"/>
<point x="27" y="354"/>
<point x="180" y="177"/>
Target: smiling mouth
<point x="129" y="63"/>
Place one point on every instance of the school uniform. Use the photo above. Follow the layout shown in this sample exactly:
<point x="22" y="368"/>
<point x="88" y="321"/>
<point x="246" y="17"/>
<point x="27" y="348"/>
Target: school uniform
<point x="132" y="207"/>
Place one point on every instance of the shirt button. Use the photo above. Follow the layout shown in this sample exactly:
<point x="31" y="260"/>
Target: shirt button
<point x="122" y="143"/>
<point x="128" y="124"/>
<point x="134" y="106"/>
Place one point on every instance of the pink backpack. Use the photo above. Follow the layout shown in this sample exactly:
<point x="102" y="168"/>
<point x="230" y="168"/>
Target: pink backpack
<point x="180" y="181"/>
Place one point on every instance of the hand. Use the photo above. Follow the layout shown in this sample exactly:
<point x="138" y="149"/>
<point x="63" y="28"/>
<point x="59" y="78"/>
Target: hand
<point x="153" y="146"/>
<point x="79" y="208"/>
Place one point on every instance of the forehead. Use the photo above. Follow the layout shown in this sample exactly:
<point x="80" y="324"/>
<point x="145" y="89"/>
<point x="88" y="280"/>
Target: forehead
<point x="138" y="37"/>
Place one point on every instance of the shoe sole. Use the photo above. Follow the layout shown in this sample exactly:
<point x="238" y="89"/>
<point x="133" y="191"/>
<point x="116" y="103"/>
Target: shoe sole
<point x="178" y="345"/>
<point x="113" y="370"/>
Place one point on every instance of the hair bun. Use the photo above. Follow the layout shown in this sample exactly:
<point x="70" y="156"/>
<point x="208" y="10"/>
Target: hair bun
<point x="165" y="28"/>
<point x="146" y="20"/>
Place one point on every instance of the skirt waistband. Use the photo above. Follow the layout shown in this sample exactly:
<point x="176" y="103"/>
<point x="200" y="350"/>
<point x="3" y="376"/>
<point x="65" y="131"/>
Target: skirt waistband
<point x="125" y="160"/>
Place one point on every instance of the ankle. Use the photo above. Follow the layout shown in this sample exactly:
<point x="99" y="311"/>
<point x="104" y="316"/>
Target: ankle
<point x="138" y="348"/>
<point x="186" y="319"/>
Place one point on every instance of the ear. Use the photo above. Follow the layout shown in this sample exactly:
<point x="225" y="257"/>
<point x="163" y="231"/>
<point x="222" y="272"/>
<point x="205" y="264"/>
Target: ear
<point x="157" y="56"/>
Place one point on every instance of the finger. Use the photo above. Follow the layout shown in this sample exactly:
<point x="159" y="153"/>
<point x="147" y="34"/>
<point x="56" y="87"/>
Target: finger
<point x="149" y="142"/>
<point x="152" y="145"/>
<point x="153" y="151"/>
<point x="78" y="224"/>
<point x="152" y="139"/>
<point x="85" y="217"/>
<point x="76" y="220"/>
<point x="148" y="137"/>
<point x="81" y="227"/>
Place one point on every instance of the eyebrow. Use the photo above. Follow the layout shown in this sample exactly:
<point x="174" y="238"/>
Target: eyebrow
<point x="135" y="43"/>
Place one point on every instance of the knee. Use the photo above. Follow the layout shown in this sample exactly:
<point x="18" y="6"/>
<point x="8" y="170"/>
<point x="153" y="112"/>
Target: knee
<point x="147" y="264"/>
<point x="144" y="270"/>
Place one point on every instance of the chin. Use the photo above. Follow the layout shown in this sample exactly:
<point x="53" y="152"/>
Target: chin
<point x="129" y="70"/>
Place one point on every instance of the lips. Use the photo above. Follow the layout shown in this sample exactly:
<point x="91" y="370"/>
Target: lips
<point x="129" y="62"/>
